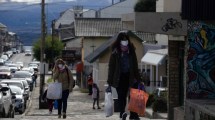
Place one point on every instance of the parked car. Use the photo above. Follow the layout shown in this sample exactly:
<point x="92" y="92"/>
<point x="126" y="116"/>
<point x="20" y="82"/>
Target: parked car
<point x="13" y="67"/>
<point x="25" y="74"/>
<point x="4" y="57"/>
<point x="1" y="62"/>
<point x="26" y="86"/>
<point x="8" y="62"/>
<point x="6" y="102"/>
<point x="18" y="84"/>
<point x="5" y="72"/>
<point x="20" y="99"/>
<point x="29" y="69"/>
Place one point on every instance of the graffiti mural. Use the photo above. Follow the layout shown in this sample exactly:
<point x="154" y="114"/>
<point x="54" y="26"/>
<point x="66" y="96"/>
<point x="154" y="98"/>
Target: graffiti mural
<point x="201" y="61"/>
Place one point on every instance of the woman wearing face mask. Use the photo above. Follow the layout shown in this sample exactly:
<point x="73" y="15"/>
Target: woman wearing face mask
<point x="62" y="74"/>
<point x="123" y="72"/>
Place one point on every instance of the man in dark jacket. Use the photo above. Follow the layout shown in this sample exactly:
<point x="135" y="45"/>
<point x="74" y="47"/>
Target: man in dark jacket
<point x="123" y="71"/>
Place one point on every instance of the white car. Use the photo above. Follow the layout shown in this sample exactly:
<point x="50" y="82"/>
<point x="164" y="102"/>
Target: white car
<point x="27" y="53"/>
<point x="20" y="100"/>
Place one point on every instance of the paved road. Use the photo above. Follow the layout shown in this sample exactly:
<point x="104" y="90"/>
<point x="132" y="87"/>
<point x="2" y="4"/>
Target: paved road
<point x="21" y="58"/>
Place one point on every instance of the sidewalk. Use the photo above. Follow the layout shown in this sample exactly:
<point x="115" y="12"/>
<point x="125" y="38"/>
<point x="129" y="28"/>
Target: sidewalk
<point x="79" y="108"/>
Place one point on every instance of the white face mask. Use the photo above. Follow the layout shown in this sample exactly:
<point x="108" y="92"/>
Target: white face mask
<point x="60" y="65"/>
<point x="124" y="42"/>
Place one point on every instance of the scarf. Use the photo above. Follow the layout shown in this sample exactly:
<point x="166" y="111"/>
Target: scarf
<point x="124" y="48"/>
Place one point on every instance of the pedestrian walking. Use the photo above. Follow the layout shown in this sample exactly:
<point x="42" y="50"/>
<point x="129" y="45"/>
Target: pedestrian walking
<point x="123" y="71"/>
<point x="90" y="83"/>
<point x="95" y="95"/>
<point x="49" y="101"/>
<point x="63" y="75"/>
<point x="34" y="78"/>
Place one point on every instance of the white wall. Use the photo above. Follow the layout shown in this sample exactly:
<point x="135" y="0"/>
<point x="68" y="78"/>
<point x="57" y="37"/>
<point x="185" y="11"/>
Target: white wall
<point x="116" y="10"/>
<point x="89" y="14"/>
<point x="168" y="5"/>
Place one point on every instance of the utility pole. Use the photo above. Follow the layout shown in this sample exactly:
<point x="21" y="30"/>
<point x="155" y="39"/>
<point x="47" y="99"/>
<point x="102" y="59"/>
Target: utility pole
<point x="43" y="35"/>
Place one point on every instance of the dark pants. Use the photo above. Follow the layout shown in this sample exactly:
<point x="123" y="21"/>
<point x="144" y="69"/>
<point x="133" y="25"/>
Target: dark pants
<point x="63" y="102"/>
<point x="50" y="104"/>
<point x="96" y="100"/>
<point x="90" y="88"/>
<point x="35" y="82"/>
<point x="122" y="91"/>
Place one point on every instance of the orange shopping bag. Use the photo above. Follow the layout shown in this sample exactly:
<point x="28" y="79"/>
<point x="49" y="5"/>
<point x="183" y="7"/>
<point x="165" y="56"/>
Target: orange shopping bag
<point x="138" y="99"/>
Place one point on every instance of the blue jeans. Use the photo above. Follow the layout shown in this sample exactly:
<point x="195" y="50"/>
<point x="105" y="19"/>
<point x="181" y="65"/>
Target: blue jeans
<point x="63" y="101"/>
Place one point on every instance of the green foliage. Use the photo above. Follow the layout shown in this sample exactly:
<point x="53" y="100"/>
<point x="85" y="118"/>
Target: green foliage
<point x="145" y="6"/>
<point x="50" y="80"/>
<point x="50" y="51"/>
<point x="160" y="105"/>
<point x="150" y="101"/>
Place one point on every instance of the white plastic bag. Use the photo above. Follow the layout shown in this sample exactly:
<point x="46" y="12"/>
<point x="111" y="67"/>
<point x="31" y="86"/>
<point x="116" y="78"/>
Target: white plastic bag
<point x="54" y="91"/>
<point x="108" y="104"/>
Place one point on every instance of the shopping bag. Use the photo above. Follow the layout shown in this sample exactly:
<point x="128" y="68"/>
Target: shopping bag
<point x="138" y="99"/>
<point x="55" y="104"/>
<point x="54" y="91"/>
<point x="108" y="104"/>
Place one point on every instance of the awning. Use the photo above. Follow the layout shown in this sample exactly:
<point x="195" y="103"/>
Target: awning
<point x="154" y="57"/>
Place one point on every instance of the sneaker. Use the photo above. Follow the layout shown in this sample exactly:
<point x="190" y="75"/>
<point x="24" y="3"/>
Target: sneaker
<point x="64" y="115"/>
<point x="59" y="116"/>
<point x="93" y="107"/>
<point x="124" y="115"/>
<point x="99" y="108"/>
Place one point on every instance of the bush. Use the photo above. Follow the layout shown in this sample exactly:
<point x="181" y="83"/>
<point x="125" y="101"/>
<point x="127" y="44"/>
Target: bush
<point x="151" y="99"/>
<point x="160" y="105"/>
<point x="49" y="80"/>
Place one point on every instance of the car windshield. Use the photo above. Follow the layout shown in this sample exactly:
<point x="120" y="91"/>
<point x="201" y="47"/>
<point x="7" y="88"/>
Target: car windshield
<point x="18" y="84"/>
<point x="22" y="75"/>
<point x="16" y="90"/>
<point x="4" y="70"/>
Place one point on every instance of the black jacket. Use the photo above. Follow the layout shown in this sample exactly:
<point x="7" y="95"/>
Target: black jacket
<point x="114" y="68"/>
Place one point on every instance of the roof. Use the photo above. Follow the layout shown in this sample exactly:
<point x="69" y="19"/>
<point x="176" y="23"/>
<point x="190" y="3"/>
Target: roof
<point x="101" y="49"/>
<point x="154" y="57"/>
<point x="97" y="27"/>
<point x="2" y="25"/>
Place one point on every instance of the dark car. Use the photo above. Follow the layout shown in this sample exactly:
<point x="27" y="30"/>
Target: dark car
<point x="7" y="102"/>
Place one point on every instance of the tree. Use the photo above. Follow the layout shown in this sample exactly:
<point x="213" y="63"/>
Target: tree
<point x="50" y="51"/>
<point x="145" y="6"/>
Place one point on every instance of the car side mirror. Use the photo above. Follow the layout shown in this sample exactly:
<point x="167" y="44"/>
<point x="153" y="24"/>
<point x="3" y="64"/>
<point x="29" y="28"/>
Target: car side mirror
<point x="26" y="88"/>
<point x="13" y="97"/>
<point x="4" y="88"/>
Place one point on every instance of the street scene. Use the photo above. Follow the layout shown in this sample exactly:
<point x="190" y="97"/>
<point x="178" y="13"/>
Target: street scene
<point x="107" y="59"/>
